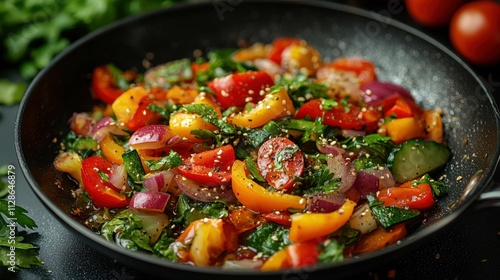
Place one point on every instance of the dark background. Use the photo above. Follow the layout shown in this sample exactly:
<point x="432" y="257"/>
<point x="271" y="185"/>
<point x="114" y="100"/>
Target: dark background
<point x="468" y="249"/>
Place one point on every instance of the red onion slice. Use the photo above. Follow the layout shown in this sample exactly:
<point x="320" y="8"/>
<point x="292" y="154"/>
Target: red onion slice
<point x="158" y="181"/>
<point x="374" y="92"/>
<point x="149" y="201"/>
<point x="330" y="149"/>
<point x="366" y="183"/>
<point x="386" y="180"/>
<point x="118" y="177"/>
<point x="81" y="124"/>
<point x="204" y="193"/>
<point x="325" y="203"/>
<point x="343" y="169"/>
<point x="352" y="133"/>
<point x="150" y="137"/>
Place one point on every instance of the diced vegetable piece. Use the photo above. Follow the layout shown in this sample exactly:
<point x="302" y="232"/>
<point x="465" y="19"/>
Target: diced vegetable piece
<point x="414" y="158"/>
<point x="363" y="220"/>
<point x="71" y="163"/>
<point x="379" y="239"/>
<point x="133" y="165"/>
<point x="401" y="130"/>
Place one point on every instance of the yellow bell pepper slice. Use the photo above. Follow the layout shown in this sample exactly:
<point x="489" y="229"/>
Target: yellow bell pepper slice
<point x="181" y="95"/>
<point x="126" y="104"/>
<point x="257" y="198"/>
<point x="182" y="124"/>
<point x="112" y="151"/>
<point x="275" y="262"/>
<point x="275" y="104"/>
<point x="307" y="226"/>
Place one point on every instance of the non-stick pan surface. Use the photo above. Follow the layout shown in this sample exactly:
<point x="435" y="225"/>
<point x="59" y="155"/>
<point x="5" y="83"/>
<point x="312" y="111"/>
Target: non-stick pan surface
<point x="435" y="76"/>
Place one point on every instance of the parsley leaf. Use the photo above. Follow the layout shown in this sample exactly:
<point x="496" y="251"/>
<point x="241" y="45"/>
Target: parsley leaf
<point x="284" y="155"/>
<point x="333" y="252"/>
<point x="254" y="170"/>
<point x="209" y="115"/>
<point x="268" y="238"/>
<point x="302" y="89"/>
<point x="168" y="162"/>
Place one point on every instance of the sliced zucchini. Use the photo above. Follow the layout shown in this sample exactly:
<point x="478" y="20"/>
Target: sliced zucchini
<point x="414" y="158"/>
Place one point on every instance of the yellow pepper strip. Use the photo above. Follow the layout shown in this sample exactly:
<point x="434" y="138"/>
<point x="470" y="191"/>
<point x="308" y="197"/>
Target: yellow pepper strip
<point x="112" y="151"/>
<point x="257" y="198"/>
<point x="307" y="226"/>
<point x="275" y="262"/>
<point x="182" y="124"/>
<point x="181" y="95"/>
<point x="433" y="126"/>
<point x="401" y="130"/>
<point x="276" y="104"/>
<point x="71" y="163"/>
<point x="126" y="104"/>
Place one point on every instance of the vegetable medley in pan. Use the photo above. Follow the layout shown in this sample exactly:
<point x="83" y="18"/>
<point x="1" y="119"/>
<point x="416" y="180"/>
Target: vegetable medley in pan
<point x="264" y="157"/>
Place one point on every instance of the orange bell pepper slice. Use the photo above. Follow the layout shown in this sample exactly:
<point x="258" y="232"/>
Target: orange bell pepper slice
<point x="401" y="130"/>
<point x="127" y="104"/>
<point x="275" y="262"/>
<point x="379" y="239"/>
<point x="433" y="126"/>
<point x="307" y="226"/>
<point x="259" y="199"/>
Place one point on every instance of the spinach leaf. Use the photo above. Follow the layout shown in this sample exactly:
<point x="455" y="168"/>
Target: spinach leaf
<point x="162" y="246"/>
<point x="268" y="238"/>
<point x="126" y="228"/>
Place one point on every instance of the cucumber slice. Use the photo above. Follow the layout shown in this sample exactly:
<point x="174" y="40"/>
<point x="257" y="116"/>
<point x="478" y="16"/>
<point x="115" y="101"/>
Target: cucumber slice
<point x="414" y="158"/>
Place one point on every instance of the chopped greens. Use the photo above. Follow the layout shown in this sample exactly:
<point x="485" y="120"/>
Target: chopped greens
<point x="165" y="163"/>
<point x="268" y="238"/>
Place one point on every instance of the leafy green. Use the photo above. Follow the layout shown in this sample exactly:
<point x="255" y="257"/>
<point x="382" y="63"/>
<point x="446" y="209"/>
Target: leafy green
<point x="12" y="93"/>
<point x="26" y="253"/>
<point x="438" y="187"/>
<point x="173" y="72"/>
<point x="254" y="170"/>
<point x="190" y="212"/>
<point x="268" y="238"/>
<point x="374" y="148"/>
<point x="162" y="246"/>
<point x="17" y="212"/>
<point x="209" y="115"/>
<point x="167" y="162"/>
<point x="333" y="252"/>
<point x="82" y="145"/>
<point x="283" y="155"/>
<point x="388" y="216"/>
<point x="301" y="89"/>
<point x="33" y="32"/>
<point x="221" y="64"/>
<point x="317" y="178"/>
<point x="165" y="111"/>
<point x="126" y="227"/>
<point x="120" y="81"/>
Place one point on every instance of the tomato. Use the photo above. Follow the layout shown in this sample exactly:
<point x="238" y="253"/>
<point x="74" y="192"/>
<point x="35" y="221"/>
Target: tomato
<point x="475" y="31"/>
<point x="413" y="197"/>
<point x="240" y="88"/>
<point x="352" y="117"/>
<point x="278" y="45"/>
<point x="212" y="168"/>
<point x="432" y="13"/>
<point x="364" y="69"/>
<point x="279" y="161"/>
<point x="102" y="192"/>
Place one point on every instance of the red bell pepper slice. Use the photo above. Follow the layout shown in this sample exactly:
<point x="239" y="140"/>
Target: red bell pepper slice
<point x="102" y="192"/>
<point x="211" y="168"/>
<point x="104" y="86"/>
<point x="280" y="44"/>
<point x="414" y="197"/>
<point x="353" y="117"/>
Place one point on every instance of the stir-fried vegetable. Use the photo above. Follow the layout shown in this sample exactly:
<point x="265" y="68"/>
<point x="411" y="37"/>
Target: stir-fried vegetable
<point x="263" y="157"/>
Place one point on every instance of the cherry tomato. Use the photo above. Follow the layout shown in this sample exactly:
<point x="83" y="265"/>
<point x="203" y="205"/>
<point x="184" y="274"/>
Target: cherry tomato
<point x="278" y="45"/>
<point x="475" y="31"/>
<point x="432" y="13"/>
<point x="240" y="88"/>
<point x="364" y="69"/>
<point x="102" y="192"/>
<point x="413" y="197"/>
<point x="211" y="168"/>
<point x="279" y="161"/>
<point x="351" y="117"/>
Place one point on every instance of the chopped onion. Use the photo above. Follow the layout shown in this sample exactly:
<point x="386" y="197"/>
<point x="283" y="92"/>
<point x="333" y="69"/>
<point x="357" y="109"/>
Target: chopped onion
<point x="343" y="169"/>
<point x="352" y="133"/>
<point x="81" y="124"/>
<point x="159" y="181"/>
<point x="150" y="137"/>
<point x="374" y="92"/>
<point x="104" y="127"/>
<point x="325" y="203"/>
<point x="149" y="201"/>
<point x="268" y="66"/>
<point x="386" y="180"/>
<point x="204" y="193"/>
<point x="330" y="149"/>
<point x="366" y="183"/>
<point x="118" y="176"/>
<point x="363" y="220"/>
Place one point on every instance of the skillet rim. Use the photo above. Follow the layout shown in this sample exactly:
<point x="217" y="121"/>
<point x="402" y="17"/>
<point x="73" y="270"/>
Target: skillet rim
<point x="115" y="251"/>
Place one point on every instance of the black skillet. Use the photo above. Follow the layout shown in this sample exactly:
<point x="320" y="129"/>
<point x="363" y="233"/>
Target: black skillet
<point x="435" y="76"/>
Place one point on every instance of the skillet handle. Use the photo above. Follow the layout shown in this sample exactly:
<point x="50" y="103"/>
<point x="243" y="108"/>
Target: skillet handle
<point x="490" y="198"/>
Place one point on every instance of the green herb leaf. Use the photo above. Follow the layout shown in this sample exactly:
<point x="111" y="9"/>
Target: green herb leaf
<point x="17" y="212"/>
<point x="12" y="92"/>
<point x="166" y="163"/>
<point x="333" y="252"/>
<point x="268" y="238"/>
<point x="254" y="170"/>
